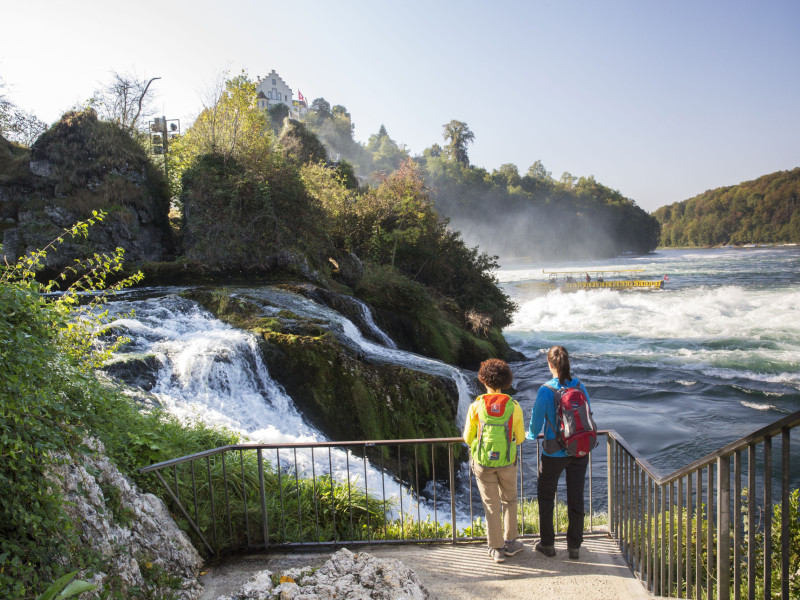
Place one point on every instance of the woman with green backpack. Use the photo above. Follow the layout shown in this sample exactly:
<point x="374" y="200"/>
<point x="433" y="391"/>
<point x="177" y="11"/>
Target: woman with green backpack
<point x="493" y="430"/>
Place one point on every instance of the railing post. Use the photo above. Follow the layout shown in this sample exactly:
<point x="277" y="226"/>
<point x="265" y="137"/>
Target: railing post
<point x="452" y="464"/>
<point x="263" y="495"/>
<point x="723" y="527"/>
<point x="610" y="489"/>
<point x="785" y="513"/>
<point x="768" y="517"/>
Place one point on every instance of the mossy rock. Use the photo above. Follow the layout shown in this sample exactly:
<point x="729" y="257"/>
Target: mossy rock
<point x="340" y="394"/>
<point x="136" y="369"/>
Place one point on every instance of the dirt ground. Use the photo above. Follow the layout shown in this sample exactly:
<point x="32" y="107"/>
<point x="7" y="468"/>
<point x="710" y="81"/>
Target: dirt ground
<point x="465" y="571"/>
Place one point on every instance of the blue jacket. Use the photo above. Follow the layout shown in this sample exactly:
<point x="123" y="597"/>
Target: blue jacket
<point x="545" y="406"/>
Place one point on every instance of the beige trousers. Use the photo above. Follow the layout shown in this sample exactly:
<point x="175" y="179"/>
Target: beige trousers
<point x="498" y="488"/>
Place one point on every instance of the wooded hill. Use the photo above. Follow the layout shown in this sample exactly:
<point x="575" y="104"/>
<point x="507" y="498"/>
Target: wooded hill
<point x="762" y="211"/>
<point x="502" y="211"/>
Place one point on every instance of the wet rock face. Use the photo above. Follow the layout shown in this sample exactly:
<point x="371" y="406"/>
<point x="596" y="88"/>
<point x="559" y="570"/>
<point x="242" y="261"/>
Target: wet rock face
<point x="138" y="370"/>
<point x="345" y="575"/>
<point x="133" y="532"/>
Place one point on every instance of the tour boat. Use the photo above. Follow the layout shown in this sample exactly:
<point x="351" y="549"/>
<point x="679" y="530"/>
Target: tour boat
<point x="581" y="280"/>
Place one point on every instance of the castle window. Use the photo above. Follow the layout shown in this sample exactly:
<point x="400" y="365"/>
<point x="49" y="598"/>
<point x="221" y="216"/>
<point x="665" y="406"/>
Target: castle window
<point x="273" y="82"/>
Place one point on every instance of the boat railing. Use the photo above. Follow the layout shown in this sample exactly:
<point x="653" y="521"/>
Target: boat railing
<point x="700" y="532"/>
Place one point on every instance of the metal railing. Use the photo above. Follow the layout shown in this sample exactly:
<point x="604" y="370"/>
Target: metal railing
<point x="251" y="496"/>
<point x="698" y="532"/>
<point x="695" y="533"/>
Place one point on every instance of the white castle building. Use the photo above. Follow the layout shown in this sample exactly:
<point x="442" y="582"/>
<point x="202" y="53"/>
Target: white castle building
<point x="272" y="90"/>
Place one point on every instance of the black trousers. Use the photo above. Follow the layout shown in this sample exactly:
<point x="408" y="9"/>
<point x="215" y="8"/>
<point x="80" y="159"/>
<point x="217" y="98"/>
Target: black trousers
<point x="550" y="469"/>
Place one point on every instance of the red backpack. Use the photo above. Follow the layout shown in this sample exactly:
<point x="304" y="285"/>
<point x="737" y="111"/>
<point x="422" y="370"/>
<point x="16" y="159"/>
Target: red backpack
<point x="576" y="431"/>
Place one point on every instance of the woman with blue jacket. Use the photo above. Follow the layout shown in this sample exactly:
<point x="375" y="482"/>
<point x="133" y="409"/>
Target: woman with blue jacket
<point x="553" y="463"/>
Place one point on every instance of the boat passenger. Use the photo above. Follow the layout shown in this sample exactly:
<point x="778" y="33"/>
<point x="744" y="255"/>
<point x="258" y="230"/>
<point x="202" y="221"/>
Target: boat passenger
<point x="588" y="279"/>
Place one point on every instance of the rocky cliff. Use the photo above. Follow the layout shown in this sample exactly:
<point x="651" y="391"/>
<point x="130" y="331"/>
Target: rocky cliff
<point x="139" y="544"/>
<point x="78" y="166"/>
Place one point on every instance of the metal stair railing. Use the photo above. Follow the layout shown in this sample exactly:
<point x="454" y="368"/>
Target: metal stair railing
<point x="282" y="495"/>
<point x="695" y="533"/>
<point x="698" y="532"/>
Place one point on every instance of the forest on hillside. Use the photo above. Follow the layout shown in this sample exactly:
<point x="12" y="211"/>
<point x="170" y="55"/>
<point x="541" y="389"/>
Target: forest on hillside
<point x="504" y="212"/>
<point x="761" y="211"/>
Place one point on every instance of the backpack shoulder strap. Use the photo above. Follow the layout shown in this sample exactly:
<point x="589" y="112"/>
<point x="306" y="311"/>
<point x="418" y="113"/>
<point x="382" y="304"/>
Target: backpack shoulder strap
<point x="556" y="393"/>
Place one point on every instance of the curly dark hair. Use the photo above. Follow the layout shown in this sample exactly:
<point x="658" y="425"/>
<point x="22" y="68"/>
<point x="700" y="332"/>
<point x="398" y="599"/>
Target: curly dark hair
<point x="495" y="373"/>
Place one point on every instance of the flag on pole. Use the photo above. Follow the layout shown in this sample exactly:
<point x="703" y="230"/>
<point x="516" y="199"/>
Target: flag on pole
<point x="300" y="96"/>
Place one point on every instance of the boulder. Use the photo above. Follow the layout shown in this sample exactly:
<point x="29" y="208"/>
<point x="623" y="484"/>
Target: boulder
<point x="133" y="532"/>
<point x="346" y="575"/>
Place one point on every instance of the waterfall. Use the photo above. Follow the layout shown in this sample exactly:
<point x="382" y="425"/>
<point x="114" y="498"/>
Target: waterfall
<point x="214" y="373"/>
<point x="348" y="334"/>
<point x="376" y="331"/>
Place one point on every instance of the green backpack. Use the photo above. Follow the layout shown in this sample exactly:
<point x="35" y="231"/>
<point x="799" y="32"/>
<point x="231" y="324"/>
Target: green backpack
<point x="493" y="446"/>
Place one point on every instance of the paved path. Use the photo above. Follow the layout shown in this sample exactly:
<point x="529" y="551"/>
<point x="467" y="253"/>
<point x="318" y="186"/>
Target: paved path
<point x="464" y="571"/>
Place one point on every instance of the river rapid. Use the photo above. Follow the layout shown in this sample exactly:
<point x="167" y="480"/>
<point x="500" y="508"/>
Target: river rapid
<point x="680" y="371"/>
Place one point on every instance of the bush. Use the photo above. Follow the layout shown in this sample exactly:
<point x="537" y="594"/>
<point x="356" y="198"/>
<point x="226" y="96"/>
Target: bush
<point x="51" y="400"/>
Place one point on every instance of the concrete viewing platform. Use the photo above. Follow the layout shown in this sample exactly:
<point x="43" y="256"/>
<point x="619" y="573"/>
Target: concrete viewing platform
<point x="465" y="571"/>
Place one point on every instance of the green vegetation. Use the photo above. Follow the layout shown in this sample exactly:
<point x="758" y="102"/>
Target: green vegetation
<point x="50" y="400"/>
<point x="699" y="543"/>
<point x="505" y="213"/>
<point x="762" y="211"/>
<point x="255" y="204"/>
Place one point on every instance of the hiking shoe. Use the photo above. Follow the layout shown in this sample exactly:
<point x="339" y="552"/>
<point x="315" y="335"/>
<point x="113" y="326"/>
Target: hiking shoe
<point x="513" y="547"/>
<point x="574" y="553"/>
<point x="498" y="554"/>
<point x="546" y="550"/>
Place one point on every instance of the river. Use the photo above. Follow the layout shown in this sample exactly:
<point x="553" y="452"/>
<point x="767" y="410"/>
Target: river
<point x="678" y="371"/>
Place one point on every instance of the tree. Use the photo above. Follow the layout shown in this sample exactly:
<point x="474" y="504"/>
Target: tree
<point x="231" y="124"/>
<point x="277" y="115"/>
<point x="387" y="155"/>
<point x="16" y="124"/>
<point x="301" y="143"/>
<point x="458" y="136"/>
<point x="537" y="171"/>
<point x="322" y="107"/>
<point x="340" y="111"/>
<point x="125" y="101"/>
<point x="507" y="175"/>
<point x="568" y="180"/>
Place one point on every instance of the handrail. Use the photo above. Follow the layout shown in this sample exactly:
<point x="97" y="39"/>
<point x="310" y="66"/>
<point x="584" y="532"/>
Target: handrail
<point x="293" y="445"/>
<point x="708" y="538"/>
<point x="595" y="271"/>
<point x="713" y="536"/>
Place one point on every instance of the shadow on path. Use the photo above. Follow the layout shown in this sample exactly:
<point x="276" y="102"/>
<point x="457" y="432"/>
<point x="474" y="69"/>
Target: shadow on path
<point x="465" y="571"/>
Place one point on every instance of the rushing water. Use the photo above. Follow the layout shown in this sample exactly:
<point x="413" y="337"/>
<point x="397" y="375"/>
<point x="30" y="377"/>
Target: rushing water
<point x="209" y="371"/>
<point x="680" y="371"/>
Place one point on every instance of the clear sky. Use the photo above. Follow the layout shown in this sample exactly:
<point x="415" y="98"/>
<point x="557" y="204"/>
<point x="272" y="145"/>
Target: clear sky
<point x="659" y="99"/>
